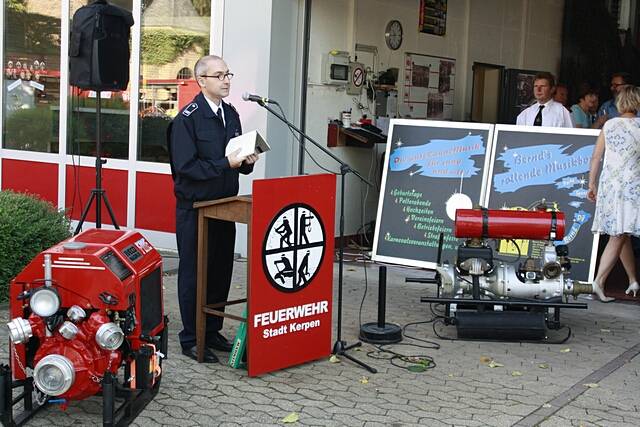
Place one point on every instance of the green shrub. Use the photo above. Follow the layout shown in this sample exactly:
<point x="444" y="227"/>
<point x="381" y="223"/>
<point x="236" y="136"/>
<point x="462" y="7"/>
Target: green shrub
<point x="28" y="225"/>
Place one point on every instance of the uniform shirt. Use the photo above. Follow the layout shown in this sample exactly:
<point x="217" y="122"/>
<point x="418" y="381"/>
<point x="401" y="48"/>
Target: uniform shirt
<point x="197" y="139"/>
<point x="215" y="108"/>
<point x="553" y="114"/>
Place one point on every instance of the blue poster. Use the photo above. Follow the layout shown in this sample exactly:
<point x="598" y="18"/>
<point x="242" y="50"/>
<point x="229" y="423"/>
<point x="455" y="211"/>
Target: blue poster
<point x="532" y="167"/>
<point x="433" y="168"/>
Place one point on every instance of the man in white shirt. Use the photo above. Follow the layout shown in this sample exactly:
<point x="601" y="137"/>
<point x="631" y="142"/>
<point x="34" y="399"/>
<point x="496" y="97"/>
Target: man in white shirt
<point x="545" y="111"/>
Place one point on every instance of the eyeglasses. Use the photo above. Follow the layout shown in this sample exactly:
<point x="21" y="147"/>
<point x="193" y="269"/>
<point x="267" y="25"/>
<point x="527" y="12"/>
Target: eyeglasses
<point x="220" y="77"/>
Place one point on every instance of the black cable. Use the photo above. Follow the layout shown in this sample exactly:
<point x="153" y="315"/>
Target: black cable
<point x="366" y="281"/>
<point x="304" y="146"/>
<point x="436" y="332"/>
<point x="75" y="167"/>
<point x="364" y="294"/>
<point x="364" y="262"/>
<point x="404" y="361"/>
<point x="430" y="344"/>
<point x="410" y="362"/>
<point x="507" y="261"/>
<point x="435" y="312"/>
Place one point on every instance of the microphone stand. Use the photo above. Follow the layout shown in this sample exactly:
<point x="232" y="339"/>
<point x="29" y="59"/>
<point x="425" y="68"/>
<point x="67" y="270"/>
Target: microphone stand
<point x="340" y="347"/>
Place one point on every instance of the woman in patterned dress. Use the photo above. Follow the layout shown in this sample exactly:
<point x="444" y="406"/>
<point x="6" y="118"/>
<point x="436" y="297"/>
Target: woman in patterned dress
<point x="617" y="195"/>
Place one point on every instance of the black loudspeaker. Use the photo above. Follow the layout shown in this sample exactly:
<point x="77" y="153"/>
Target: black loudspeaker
<point x="99" y="47"/>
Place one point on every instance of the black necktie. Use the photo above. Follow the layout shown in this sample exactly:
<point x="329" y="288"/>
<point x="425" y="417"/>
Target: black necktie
<point x="538" y="119"/>
<point x="219" y="114"/>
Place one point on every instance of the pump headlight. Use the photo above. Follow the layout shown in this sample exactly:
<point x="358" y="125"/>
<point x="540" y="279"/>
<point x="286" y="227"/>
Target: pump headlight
<point x="44" y="302"/>
<point x="54" y="375"/>
<point x="109" y="336"/>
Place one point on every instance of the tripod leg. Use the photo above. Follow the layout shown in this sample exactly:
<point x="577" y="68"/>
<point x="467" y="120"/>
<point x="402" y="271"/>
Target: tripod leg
<point x="84" y="213"/>
<point x="340" y="348"/>
<point x="362" y="364"/>
<point x="354" y="345"/>
<point x="108" y="205"/>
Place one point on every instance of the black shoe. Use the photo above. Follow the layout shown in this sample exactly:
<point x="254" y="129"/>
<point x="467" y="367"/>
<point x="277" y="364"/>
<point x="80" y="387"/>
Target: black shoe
<point x="219" y="342"/>
<point x="192" y="353"/>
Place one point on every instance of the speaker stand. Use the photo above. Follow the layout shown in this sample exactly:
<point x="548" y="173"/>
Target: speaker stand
<point x="98" y="194"/>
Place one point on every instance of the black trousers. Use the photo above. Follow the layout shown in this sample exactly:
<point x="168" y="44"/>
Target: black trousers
<point x="222" y="235"/>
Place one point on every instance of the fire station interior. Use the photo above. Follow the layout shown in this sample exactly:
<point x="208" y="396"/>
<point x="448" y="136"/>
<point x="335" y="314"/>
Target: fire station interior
<point x="486" y="44"/>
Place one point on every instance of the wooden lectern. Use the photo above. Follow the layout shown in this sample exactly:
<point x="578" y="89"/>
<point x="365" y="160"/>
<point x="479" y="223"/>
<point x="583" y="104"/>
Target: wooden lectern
<point x="235" y="209"/>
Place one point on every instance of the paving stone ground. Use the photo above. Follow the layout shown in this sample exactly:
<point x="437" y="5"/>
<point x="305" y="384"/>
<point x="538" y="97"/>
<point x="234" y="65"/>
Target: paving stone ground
<point x="460" y="391"/>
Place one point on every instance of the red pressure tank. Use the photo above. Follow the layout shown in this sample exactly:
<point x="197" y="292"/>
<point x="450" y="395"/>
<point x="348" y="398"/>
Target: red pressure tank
<point x="509" y="224"/>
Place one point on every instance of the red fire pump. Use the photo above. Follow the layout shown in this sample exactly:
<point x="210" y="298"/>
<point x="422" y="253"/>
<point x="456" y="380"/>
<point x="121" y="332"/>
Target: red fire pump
<point x="81" y="311"/>
<point x="491" y="298"/>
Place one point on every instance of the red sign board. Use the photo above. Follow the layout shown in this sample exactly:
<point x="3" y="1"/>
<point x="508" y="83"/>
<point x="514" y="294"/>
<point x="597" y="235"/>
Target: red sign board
<point x="291" y="277"/>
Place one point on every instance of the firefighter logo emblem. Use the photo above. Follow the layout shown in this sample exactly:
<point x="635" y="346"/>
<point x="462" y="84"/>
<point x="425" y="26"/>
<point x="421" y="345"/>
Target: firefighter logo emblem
<point x="293" y="247"/>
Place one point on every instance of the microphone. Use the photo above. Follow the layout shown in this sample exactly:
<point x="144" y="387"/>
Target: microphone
<point x="257" y="98"/>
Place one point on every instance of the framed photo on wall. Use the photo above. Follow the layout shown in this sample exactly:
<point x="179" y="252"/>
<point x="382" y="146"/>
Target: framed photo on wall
<point x="433" y="17"/>
<point x="429" y="86"/>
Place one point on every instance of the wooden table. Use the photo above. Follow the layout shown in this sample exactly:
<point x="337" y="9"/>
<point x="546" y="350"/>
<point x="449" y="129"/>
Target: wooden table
<point x="234" y="209"/>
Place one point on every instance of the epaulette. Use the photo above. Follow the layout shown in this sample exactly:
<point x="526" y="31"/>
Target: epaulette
<point x="232" y="107"/>
<point x="189" y="109"/>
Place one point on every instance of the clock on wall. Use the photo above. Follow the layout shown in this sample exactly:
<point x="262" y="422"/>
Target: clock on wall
<point x="393" y="34"/>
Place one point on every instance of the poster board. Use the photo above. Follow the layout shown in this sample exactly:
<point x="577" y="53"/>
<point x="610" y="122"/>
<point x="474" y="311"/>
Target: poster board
<point x="429" y="86"/>
<point x="432" y="168"/>
<point x="528" y="164"/>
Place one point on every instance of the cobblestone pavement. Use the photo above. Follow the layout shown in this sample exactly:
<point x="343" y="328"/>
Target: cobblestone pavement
<point x="537" y="384"/>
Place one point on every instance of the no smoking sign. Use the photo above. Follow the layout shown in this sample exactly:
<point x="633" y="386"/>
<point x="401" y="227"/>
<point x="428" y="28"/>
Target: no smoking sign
<point x="358" y="76"/>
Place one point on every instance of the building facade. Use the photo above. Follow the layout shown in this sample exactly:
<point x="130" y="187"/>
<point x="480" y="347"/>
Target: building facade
<point x="48" y="141"/>
<point x="48" y="144"/>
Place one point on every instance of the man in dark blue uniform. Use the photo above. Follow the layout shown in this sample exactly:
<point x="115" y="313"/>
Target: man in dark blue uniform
<point x="201" y="171"/>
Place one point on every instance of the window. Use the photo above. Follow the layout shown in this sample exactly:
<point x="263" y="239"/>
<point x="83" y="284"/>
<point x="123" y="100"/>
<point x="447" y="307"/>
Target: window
<point x="31" y="76"/>
<point x="174" y="35"/>
<point x="81" y="124"/>
<point x="184" y="74"/>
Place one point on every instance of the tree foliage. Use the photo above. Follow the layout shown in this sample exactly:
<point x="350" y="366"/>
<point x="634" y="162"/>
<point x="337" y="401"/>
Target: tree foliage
<point x="163" y="46"/>
<point x="30" y="32"/>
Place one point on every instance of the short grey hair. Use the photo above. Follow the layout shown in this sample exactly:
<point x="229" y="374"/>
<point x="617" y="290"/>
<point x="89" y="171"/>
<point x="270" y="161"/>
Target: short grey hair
<point x="628" y="99"/>
<point x="202" y="65"/>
